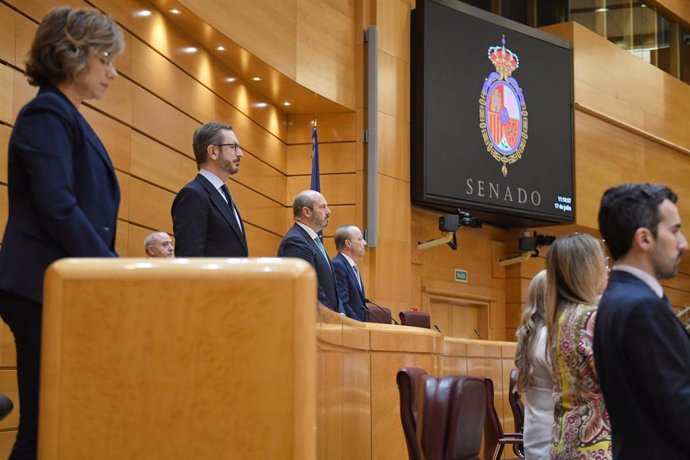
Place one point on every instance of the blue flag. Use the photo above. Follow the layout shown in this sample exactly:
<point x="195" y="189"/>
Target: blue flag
<point x="315" y="182"/>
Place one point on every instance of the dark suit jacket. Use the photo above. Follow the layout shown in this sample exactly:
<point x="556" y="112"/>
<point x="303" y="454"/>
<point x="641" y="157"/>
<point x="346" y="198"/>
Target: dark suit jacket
<point x="642" y="356"/>
<point x="62" y="190"/>
<point x="203" y="223"/>
<point x="350" y="294"/>
<point x="297" y="243"/>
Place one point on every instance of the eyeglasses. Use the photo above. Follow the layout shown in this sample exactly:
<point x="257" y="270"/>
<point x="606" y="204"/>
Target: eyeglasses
<point x="234" y="146"/>
<point x="106" y="58"/>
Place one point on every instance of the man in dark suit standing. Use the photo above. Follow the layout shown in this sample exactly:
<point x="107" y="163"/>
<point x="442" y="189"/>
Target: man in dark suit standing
<point x="311" y="214"/>
<point x="206" y="222"/>
<point x="351" y="246"/>
<point x="641" y="349"/>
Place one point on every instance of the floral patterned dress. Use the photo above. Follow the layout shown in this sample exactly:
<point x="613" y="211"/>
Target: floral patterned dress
<point x="581" y="429"/>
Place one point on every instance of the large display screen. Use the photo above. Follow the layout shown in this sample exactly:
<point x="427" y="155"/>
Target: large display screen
<point x="492" y="120"/>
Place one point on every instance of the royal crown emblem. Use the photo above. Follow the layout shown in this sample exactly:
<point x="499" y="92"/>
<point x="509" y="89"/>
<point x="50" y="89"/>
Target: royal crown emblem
<point x="502" y="109"/>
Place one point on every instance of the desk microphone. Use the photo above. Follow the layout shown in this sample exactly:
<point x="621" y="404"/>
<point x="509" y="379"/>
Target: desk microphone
<point x="438" y="328"/>
<point x="476" y="331"/>
<point x="381" y="308"/>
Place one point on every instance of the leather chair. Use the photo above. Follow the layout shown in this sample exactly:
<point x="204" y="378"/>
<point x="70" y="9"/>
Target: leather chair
<point x="379" y="315"/>
<point x="409" y="382"/>
<point x="452" y="411"/>
<point x="495" y="439"/>
<point x="415" y="318"/>
<point x="518" y="410"/>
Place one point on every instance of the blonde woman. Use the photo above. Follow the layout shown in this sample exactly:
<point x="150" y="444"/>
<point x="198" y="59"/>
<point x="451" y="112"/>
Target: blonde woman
<point x="576" y="276"/>
<point x="534" y="372"/>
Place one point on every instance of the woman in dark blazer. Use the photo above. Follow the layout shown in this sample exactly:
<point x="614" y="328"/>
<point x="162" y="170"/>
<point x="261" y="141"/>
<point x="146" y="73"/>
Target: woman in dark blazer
<point x="62" y="190"/>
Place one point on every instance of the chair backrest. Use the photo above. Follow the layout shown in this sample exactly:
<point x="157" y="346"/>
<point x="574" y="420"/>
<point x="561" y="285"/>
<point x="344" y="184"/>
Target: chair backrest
<point x="466" y="419"/>
<point x="415" y="318"/>
<point x="516" y="405"/>
<point x="493" y="429"/>
<point x="451" y="417"/>
<point x="379" y="314"/>
<point x="409" y="380"/>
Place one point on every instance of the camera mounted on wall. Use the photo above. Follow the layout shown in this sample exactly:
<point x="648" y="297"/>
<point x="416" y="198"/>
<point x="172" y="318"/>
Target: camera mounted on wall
<point x="449" y="224"/>
<point x="529" y="244"/>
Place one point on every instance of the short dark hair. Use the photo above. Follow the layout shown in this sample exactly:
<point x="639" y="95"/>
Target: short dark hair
<point x="64" y="40"/>
<point x="342" y="234"/>
<point x="304" y="199"/>
<point x="205" y="135"/>
<point x="626" y="208"/>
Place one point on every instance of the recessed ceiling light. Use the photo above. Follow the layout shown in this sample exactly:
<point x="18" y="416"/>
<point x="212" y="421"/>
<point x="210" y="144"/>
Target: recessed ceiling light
<point x="175" y="11"/>
<point x="189" y="50"/>
<point x="257" y="78"/>
<point x="231" y="79"/>
<point x="220" y="48"/>
<point x="142" y="14"/>
<point x="286" y="104"/>
<point x="601" y="10"/>
<point x="261" y="105"/>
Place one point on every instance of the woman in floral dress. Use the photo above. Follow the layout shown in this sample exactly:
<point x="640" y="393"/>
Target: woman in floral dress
<point x="576" y="276"/>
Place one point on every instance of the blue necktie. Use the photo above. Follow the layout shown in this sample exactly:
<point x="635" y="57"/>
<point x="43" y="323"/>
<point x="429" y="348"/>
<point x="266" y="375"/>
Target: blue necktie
<point x="226" y="193"/>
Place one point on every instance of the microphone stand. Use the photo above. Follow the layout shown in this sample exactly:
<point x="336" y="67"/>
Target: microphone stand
<point x="384" y="311"/>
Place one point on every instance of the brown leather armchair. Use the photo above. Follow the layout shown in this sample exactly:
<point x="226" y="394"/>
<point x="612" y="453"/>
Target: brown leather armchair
<point x="415" y="318"/>
<point x="495" y="439"/>
<point x="409" y="380"/>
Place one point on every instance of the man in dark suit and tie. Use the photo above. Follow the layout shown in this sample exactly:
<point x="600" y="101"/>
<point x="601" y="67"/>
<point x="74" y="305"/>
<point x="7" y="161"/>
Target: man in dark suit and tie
<point x="206" y="222"/>
<point x="641" y="349"/>
<point x="351" y="246"/>
<point x="311" y="214"/>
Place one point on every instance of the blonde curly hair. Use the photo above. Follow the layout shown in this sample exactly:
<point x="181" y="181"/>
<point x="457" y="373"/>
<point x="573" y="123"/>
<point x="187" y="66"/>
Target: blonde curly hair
<point x="533" y="317"/>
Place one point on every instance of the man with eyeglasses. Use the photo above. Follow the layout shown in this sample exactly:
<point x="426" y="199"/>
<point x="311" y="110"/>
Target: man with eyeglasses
<point x="641" y="349"/>
<point x="206" y="221"/>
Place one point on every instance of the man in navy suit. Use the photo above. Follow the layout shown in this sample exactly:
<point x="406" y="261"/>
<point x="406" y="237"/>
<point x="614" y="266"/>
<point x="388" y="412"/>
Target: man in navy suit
<point x="641" y="349"/>
<point x="206" y="222"/>
<point x="311" y="214"/>
<point x="351" y="246"/>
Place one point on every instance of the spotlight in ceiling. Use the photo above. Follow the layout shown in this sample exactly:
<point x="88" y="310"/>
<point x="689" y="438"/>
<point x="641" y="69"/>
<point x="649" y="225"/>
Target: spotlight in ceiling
<point x="257" y="78"/>
<point x="142" y="14"/>
<point x="261" y="105"/>
<point x="189" y="50"/>
<point x="231" y="79"/>
<point x="220" y="48"/>
<point x="287" y="104"/>
<point x="175" y="11"/>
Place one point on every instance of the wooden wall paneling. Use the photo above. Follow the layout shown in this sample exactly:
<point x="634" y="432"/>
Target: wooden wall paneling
<point x="3" y="207"/>
<point x="5" y="132"/>
<point x="7" y="34"/>
<point x="8" y="382"/>
<point x="331" y="127"/>
<point x="274" y="42"/>
<point x="36" y="9"/>
<point x="356" y="405"/>
<point x="123" y="181"/>
<point x="394" y="87"/>
<point x="677" y="9"/>
<point x="262" y="178"/>
<point x="122" y="238"/>
<point x="115" y="136"/>
<point x="8" y="357"/>
<point x="325" y="45"/>
<point x="6" y="94"/>
<point x="330" y="404"/>
<point x="394" y="21"/>
<point x="6" y="442"/>
<point x="336" y="157"/>
<point x="254" y="139"/>
<point x="162" y="122"/>
<point x="261" y="243"/>
<point x="388" y="440"/>
<point x="150" y="205"/>
<point x="135" y="240"/>
<point x="258" y="210"/>
<point x="161" y="165"/>
<point x="393" y="254"/>
<point x="394" y="147"/>
<point x="336" y="188"/>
